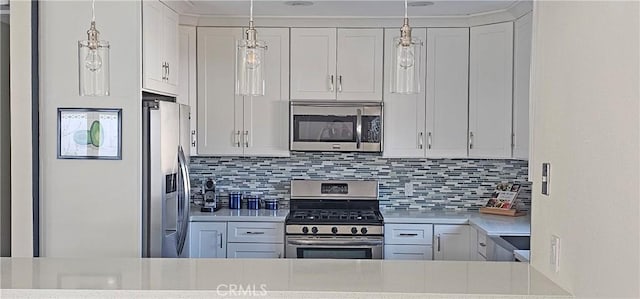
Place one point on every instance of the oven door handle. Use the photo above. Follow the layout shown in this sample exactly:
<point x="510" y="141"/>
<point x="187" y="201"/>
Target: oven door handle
<point x="335" y="243"/>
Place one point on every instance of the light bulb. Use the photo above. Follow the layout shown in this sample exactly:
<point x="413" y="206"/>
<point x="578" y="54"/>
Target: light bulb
<point x="93" y="61"/>
<point x="253" y="59"/>
<point x="405" y="57"/>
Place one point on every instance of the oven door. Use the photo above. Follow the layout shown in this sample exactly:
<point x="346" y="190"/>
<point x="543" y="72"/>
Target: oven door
<point x="336" y="127"/>
<point x="334" y="247"/>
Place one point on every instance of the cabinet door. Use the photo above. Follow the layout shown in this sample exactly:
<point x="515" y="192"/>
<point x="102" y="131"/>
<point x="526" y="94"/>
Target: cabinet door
<point x="359" y="64"/>
<point x="404" y="115"/>
<point x="170" y="46"/>
<point x="152" y="45"/>
<point x="490" y="98"/>
<point x="447" y="92"/>
<point x="313" y="63"/>
<point x="522" y="60"/>
<point x="408" y="252"/>
<point x="207" y="240"/>
<point x="255" y="250"/>
<point x="187" y="78"/>
<point x="451" y="242"/>
<point x="256" y="232"/>
<point x="219" y="109"/>
<point x="266" y="118"/>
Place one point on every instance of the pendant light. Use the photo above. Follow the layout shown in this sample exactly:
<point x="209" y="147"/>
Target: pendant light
<point x="250" y="54"/>
<point x="405" y="70"/>
<point x="93" y="61"/>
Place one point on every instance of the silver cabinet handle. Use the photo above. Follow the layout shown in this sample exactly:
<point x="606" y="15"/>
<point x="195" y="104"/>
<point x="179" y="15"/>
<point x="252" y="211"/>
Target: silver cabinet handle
<point x="255" y="233"/>
<point x="470" y="140"/>
<point x="236" y="139"/>
<point x="246" y="138"/>
<point x="513" y="140"/>
<point x="193" y="138"/>
<point x="420" y="140"/>
<point x="408" y="235"/>
<point x="358" y="128"/>
<point x="331" y="86"/>
<point x="168" y="70"/>
<point x="483" y="244"/>
<point x="438" y="239"/>
<point x="429" y="140"/>
<point x="220" y="237"/>
<point x="340" y="83"/>
<point x="164" y="71"/>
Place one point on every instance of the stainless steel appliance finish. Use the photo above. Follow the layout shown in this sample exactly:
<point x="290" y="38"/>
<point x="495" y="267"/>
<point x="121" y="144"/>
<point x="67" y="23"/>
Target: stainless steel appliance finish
<point x="334" y="219"/>
<point x="336" y="126"/>
<point x="166" y="186"/>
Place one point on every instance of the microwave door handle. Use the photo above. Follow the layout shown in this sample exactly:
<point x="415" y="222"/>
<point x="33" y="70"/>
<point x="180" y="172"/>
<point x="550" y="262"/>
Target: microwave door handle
<point x="358" y="128"/>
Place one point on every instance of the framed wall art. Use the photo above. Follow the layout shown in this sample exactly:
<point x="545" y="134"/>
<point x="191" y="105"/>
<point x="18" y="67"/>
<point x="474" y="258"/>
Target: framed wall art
<point x="89" y="133"/>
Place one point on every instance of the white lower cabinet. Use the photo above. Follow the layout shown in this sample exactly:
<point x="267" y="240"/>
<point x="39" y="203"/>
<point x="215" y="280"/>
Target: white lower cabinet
<point x="408" y="252"/>
<point x="407" y="241"/>
<point x="255" y="250"/>
<point x="451" y="242"/>
<point x="207" y="239"/>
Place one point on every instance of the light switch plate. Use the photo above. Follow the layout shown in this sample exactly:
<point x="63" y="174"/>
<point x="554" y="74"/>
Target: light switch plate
<point x="408" y="189"/>
<point x="546" y="176"/>
<point x="555" y="253"/>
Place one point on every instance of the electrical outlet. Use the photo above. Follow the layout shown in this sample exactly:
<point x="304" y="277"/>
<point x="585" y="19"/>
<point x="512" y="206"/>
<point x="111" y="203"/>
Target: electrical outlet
<point x="555" y="253"/>
<point x="408" y="189"/>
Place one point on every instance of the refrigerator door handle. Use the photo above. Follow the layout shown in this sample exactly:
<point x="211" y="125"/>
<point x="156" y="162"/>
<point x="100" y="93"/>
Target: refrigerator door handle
<point x="183" y="201"/>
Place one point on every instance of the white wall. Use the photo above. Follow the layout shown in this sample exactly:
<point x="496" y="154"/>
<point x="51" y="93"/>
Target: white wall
<point x="5" y="140"/>
<point x="90" y="207"/>
<point x="585" y="84"/>
<point x="21" y="194"/>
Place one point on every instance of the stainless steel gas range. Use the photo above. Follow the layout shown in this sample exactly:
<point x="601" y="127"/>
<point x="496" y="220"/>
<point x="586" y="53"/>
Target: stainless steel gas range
<point x="334" y="219"/>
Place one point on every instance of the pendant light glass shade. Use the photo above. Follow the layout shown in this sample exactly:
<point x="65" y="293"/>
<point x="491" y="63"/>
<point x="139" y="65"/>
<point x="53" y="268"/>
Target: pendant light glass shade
<point x="407" y="52"/>
<point x="93" y="62"/>
<point x="250" y="63"/>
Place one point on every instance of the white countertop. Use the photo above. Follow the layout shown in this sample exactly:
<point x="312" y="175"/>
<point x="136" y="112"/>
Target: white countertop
<point x="280" y="278"/>
<point x="226" y="214"/>
<point x="492" y="225"/>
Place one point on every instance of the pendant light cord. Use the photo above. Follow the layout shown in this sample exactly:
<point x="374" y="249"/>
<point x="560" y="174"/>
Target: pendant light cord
<point x="250" y="12"/>
<point x="93" y="10"/>
<point x="405" y="8"/>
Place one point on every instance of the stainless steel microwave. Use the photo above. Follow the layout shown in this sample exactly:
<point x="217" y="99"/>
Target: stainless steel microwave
<point x="336" y="126"/>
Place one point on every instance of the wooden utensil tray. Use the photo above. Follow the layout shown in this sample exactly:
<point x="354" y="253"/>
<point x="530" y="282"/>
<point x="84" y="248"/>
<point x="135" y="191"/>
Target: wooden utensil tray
<point x="503" y="212"/>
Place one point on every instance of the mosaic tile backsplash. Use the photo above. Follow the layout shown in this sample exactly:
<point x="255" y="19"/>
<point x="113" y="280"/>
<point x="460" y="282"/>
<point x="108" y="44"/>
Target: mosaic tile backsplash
<point x="439" y="184"/>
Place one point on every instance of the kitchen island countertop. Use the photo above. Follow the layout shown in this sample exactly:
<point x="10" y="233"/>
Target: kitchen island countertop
<point x="269" y="278"/>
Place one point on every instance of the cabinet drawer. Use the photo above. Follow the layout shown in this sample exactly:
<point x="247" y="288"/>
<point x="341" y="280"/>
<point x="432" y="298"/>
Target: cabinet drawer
<point x="482" y="244"/>
<point x="408" y="252"/>
<point x="408" y="234"/>
<point x="253" y="250"/>
<point x="255" y="232"/>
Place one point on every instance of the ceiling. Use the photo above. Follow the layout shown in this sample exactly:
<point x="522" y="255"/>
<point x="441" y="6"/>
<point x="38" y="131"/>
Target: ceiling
<point x="346" y="8"/>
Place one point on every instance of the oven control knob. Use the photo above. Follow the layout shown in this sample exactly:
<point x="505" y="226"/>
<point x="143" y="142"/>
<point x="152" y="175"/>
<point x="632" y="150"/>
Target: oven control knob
<point x="314" y="230"/>
<point x="354" y="230"/>
<point x="305" y="230"/>
<point x="334" y="230"/>
<point x="364" y="230"/>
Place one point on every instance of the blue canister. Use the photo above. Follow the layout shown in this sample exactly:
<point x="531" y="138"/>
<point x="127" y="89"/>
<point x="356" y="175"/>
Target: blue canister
<point x="253" y="202"/>
<point x="235" y="200"/>
<point x="270" y="204"/>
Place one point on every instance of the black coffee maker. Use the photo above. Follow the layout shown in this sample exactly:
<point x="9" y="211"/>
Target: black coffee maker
<point x="210" y="202"/>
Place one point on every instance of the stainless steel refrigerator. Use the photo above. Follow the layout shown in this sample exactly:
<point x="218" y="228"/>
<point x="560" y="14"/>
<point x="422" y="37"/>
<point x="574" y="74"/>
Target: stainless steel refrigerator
<point x="165" y="179"/>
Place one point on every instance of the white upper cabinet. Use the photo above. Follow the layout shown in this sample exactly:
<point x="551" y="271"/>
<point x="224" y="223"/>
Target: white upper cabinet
<point x="159" y="48"/>
<point x="336" y="64"/>
<point x="187" y="78"/>
<point x="490" y="91"/>
<point x="313" y="63"/>
<point x="447" y="92"/>
<point x="229" y="124"/>
<point x="359" y="65"/>
<point x="404" y="115"/>
<point x="522" y="60"/>
<point x="219" y="108"/>
<point x="266" y="118"/>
